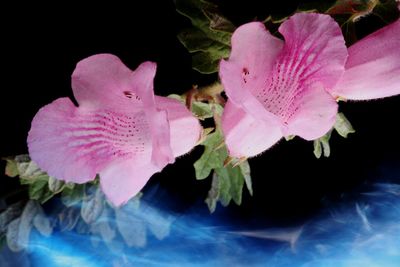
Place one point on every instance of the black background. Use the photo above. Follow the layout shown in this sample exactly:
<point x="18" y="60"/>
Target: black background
<point x="42" y="44"/>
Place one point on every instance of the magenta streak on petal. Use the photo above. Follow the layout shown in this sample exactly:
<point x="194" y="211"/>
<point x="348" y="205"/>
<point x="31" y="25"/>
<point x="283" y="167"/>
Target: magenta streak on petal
<point x="285" y="87"/>
<point x="118" y="130"/>
<point x="373" y="66"/>
<point x="311" y="42"/>
<point x="93" y="139"/>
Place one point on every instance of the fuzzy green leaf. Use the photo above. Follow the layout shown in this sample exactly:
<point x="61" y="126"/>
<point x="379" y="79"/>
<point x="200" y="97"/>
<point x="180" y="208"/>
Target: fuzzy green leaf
<point x="92" y="206"/>
<point x="39" y="190"/>
<point x="12" y="212"/>
<point x="11" y="167"/>
<point x="317" y="148"/>
<point x="245" y="171"/>
<point x="343" y="126"/>
<point x="132" y="228"/>
<point x="69" y="218"/>
<point x="202" y="110"/>
<point x="55" y="185"/>
<point x="42" y="223"/>
<point x="19" y="229"/>
<point x="209" y="38"/>
<point x="72" y="194"/>
<point x="321" y="145"/>
<point x="213" y="156"/>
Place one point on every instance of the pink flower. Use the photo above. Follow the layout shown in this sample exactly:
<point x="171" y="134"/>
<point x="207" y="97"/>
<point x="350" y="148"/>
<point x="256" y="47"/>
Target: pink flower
<point x="280" y="88"/>
<point x="373" y="66"/>
<point x="120" y="130"/>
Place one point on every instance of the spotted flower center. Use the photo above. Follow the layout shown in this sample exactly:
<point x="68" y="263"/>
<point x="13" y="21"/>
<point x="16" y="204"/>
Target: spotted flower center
<point x="106" y="134"/>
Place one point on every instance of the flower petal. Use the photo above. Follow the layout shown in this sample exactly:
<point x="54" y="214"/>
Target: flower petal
<point x="104" y="81"/>
<point x="313" y="56"/>
<point x="246" y="136"/>
<point x="75" y="144"/>
<point x="123" y="180"/>
<point x="185" y="129"/>
<point x="254" y="51"/>
<point x="316" y="114"/>
<point x="314" y="47"/>
<point x="294" y="86"/>
<point x="373" y="66"/>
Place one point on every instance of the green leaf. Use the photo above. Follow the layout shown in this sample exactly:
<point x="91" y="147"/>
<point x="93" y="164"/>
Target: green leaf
<point x="73" y="194"/>
<point x="103" y="227"/>
<point x="55" y="185"/>
<point x="209" y="38"/>
<point x="227" y="180"/>
<point x="19" y="229"/>
<point x="202" y="110"/>
<point x="22" y="166"/>
<point x="42" y="223"/>
<point x="321" y="145"/>
<point x="13" y="236"/>
<point x="289" y="137"/>
<point x="159" y="223"/>
<point x="343" y="126"/>
<point x="40" y="191"/>
<point x="213" y="156"/>
<point x="177" y="97"/>
<point x="227" y="184"/>
<point x="317" y="148"/>
<point x="41" y="187"/>
<point x="11" y="167"/>
<point x="224" y="186"/>
<point x="245" y="171"/>
<point x="12" y="212"/>
<point x="132" y="228"/>
<point x="69" y="218"/>
<point x="92" y="206"/>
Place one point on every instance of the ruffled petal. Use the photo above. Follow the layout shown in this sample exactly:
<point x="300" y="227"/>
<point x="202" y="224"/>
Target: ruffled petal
<point x="123" y="180"/>
<point x="230" y="75"/>
<point x="75" y="144"/>
<point x="311" y="62"/>
<point x="316" y="115"/>
<point x="254" y="51"/>
<point x="314" y="48"/>
<point x="104" y="81"/>
<point x="246" y="136"/>
<point x="185" y="129"/>
<point x="313" y="56"/>
<point x="373" y="66"/>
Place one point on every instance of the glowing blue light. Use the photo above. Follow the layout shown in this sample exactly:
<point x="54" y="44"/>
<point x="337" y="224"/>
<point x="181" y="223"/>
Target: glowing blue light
<point x="364" y="233"/>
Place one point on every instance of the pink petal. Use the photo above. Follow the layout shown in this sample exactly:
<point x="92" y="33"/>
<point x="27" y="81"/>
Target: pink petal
<point x="185" y="129"/>
<point x="246" y="136"/>
<point x="104" y="81"/>
<point x="316" y="115"/>
<point x="74" y="144"/>
<point x="373" y="66"/>
<point x="123" y="180"/>
<point x="118" y="130"/>
<point x="291" y="96"/>
<point x="311" y="62"/>
<point x="254" y="51"/>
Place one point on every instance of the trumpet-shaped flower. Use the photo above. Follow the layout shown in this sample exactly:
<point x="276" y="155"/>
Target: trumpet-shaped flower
<point x="373" y="66"/>
<point x="280" y="88"/>
<point x="120" y="130"/>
